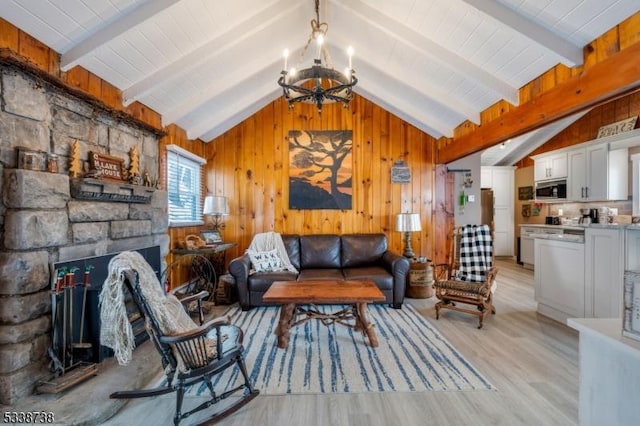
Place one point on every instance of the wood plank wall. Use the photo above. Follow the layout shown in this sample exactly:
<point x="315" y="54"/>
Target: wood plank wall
<point x="250" y="163"/>
<point x="586" y="128"/>
<point x="618" y="38"/>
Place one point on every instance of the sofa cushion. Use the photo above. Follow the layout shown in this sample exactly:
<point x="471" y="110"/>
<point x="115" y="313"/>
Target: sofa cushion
<point x="319" y="251"/>
<point x="377" y="274"/>
<point x="362" y="249"/>
<point x="261" y="281"/>
<point x="292" y="245"/>
<point x="266" y="261"/>
<point x="321" y="275"/>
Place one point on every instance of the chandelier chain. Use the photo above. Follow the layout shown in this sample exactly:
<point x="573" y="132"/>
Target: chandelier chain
<point x="317" y="28"/>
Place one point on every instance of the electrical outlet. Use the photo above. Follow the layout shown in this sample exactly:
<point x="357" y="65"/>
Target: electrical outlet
<point x="471" y="198"/>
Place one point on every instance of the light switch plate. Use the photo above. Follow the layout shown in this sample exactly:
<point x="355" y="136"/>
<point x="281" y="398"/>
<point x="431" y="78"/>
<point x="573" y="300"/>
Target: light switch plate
<point x="471" y="198"/>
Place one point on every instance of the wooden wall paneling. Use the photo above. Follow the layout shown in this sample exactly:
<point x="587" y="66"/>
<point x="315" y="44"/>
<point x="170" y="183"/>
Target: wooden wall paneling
<point x="37" y="52"/>
<point x="606" y="80"/>
<point x="79" y="77"/>
<point x="629" y="31"/>
<point x="608" y="44"/>
<point x="378" y="185"/>
<point x="9" y="36"/>
<point x="283" y="181"/>
<point x="363" y="198"/>
<point x="111" y="95"/>
<point x="271" y="134"/>
<point x="259" y="172"/>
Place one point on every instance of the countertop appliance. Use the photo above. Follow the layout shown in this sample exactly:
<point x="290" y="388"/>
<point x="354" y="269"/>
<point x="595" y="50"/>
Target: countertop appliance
<point x="594" y="214"/>
<point x="585" y="219"/>
<point x="552" y="220"/>
<point x="551" y="190"/>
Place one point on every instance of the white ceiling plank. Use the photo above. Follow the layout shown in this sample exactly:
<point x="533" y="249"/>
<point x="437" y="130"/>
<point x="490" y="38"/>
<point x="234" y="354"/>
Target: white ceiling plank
<point x="232" y="120"/>
<point x="233" y="103"/>
<point x="388" y="87"/>
<point x="393" y="69"/>
<point x="218" y="86"/>
<point x="565" y="49"/>
<point x="117" y="27"/>
<point x="422" y="44"/>
<point x="231" y="38"/>
<point x="401" y="113"/>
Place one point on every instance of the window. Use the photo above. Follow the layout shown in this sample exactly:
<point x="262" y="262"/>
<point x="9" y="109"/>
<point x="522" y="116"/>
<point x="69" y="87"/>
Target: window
<point x="184" y="187"/>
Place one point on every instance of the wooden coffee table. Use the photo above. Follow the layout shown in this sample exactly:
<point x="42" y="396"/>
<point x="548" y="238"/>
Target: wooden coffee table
<point x="299" y="298"/>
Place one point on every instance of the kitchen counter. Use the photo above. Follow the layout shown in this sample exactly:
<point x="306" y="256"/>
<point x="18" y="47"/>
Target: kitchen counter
<point x="581" y="226"/>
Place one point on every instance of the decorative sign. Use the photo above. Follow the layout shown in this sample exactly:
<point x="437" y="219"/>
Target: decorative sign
<point x="400" y="173"/>
<point x="617" y="127"/>
<point x="106" y="166"/>
<point x="525" y="193"/>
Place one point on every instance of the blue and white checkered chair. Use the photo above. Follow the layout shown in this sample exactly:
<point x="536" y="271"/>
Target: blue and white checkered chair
<point x="469" y="278"/>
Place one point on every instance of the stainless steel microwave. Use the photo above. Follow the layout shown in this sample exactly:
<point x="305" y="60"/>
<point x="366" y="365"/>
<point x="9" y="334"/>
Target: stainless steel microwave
<point x="551" y="190"/>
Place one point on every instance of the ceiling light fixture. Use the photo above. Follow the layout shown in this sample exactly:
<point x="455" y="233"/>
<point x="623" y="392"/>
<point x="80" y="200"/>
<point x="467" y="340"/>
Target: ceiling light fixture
<point x="320" y="83"/>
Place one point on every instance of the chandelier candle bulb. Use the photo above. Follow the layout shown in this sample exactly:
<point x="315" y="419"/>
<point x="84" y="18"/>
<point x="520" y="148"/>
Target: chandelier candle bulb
<point x="350" y="53"/>
<point x="286" y="56"/>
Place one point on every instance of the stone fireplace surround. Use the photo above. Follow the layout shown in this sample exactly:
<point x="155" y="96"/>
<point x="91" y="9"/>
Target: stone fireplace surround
<point x="40" y="223"/>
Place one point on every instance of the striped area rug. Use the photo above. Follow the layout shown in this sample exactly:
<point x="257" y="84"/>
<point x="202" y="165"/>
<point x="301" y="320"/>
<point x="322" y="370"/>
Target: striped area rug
<point x="412" y="356"/>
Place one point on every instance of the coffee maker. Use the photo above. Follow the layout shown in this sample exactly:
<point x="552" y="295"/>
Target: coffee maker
<point x="594" y="214"/>
<point x="586" y="216"/>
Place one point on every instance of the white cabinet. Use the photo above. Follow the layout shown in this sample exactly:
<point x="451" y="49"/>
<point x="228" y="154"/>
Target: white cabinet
<point x="559" y="279"/>
<point x="604" y="272"/>
<point x="527" y="254"/>
<point x="596" y="174"/>
<point x="550" y="166"/>
<point x="502" y="184"/>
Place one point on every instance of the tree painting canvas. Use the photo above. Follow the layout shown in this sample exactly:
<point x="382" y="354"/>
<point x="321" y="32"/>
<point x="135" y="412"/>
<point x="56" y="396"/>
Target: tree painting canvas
<point x="320" y="169"/>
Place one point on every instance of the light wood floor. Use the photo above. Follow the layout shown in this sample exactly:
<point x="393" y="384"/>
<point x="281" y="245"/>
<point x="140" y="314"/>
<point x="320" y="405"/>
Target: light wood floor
<point x="530" y="359"/>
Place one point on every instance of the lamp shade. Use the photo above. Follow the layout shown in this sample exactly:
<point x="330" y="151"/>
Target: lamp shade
<point x="216" y="205"/>
<point x="408" y="222"/>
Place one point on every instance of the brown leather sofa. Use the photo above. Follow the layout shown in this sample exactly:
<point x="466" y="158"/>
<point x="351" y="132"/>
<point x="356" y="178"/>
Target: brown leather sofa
<point x="328" y="257"/>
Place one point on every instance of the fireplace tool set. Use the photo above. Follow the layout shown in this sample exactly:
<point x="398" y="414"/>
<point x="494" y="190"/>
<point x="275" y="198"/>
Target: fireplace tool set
<point x="68" y="351"/>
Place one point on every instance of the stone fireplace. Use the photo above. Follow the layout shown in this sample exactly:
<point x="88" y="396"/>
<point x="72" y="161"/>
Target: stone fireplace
<point x="42" y="223"/>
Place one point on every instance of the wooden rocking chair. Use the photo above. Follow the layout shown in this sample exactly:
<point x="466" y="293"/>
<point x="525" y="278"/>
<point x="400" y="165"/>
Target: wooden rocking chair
<point x="470" y="275"/>
<point x="187" y="358"/>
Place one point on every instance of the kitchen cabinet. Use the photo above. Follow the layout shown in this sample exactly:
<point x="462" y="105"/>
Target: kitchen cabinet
<point x="560" y="278"/>
<point x="502" y="184"/>
<point x="604" y="272"/>
<point x="550" y="166"/>
<point x="527" y="252"/>
<point x="597" y="174"/>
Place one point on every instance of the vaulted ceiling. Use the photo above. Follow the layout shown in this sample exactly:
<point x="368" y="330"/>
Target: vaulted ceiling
<point x="206" y="65"/>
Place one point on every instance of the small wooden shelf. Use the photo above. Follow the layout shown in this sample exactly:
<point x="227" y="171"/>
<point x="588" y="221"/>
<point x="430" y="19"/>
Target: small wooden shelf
<point x="105" y="190"/>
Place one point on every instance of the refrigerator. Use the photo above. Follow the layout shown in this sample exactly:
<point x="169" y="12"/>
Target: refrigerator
<point x="486" y="207"/>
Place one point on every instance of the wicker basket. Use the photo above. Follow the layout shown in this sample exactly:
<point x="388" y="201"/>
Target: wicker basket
<point x="420" y="280"/>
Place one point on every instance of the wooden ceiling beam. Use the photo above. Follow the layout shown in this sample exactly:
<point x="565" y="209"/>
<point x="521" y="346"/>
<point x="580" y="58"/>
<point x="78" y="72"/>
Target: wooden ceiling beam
<point x="611" y="78"/>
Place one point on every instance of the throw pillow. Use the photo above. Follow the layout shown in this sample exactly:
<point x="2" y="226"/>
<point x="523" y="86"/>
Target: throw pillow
<point x="266" y="261"/>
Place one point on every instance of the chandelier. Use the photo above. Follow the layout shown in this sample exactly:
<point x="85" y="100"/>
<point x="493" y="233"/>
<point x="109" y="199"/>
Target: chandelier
<point x="320" y="83"/>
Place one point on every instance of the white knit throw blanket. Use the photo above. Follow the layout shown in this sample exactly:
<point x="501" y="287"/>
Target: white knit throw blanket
<point x="116" y="331"/>
<point x="267" y="241"/>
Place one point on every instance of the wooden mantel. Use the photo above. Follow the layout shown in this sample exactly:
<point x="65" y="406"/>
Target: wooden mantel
<point x="611" y="78"/>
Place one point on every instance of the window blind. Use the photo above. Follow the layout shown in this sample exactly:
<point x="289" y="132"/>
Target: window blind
<point x="184" y="186"/>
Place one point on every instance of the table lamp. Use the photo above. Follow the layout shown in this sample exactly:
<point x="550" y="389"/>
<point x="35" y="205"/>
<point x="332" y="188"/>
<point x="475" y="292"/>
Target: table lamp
<point x="408" y="223"/>
<point x="216" y="206"/>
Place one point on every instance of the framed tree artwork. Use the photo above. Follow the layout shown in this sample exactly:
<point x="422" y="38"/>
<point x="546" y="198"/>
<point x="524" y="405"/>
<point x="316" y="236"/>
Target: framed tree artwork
<point x="320" y="169"/>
